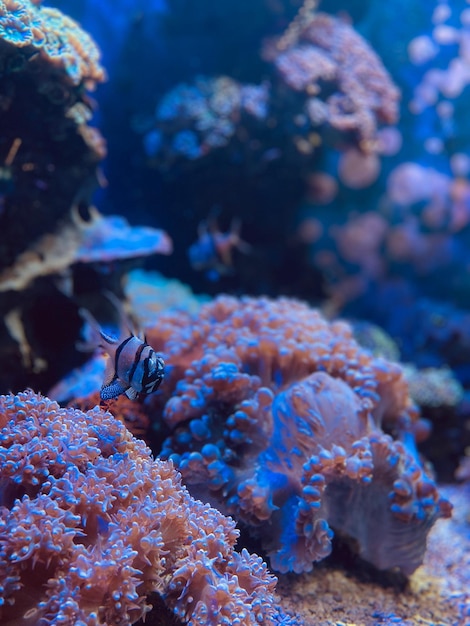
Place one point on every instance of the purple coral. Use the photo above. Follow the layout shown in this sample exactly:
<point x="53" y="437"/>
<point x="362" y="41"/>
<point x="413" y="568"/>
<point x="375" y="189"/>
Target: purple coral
<point x="90" y="525"/>
<point x="277" y="417"/>
<point x="347" y="85"/>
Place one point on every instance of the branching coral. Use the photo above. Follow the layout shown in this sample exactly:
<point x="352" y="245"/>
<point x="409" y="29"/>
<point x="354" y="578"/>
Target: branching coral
<point x="277" y="418"/>
<point x="90" y="525"/>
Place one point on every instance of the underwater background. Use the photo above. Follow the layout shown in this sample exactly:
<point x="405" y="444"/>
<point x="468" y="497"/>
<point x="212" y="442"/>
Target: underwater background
<point x="235" y="312"/>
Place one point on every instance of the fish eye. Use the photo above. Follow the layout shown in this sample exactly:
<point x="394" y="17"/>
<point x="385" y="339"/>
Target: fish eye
<point x="154" y="369"/>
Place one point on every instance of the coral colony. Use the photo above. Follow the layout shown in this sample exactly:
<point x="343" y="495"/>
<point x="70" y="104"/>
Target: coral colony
<point x="268" y="436"/>
<point x="91" y="520"/>
<point x="277" y="418"/>
<point x="328" y="76"/>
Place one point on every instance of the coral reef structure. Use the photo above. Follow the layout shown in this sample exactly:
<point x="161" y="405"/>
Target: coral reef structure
<point x="150" y="293"/>
<point x="48" y="151"/>
<point x="327" y="84"/>
<point x="49" y="164"/>
<point x="98" y="239"/>
<point x="279" y="417"/>
<point x="90" y="526"/>
<point x="194" y="119"/>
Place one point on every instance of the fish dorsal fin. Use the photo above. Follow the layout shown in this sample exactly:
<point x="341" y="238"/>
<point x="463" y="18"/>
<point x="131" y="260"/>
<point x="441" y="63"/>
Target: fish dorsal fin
<point x="108" y="338"/>
<point x="98" y="331"/>
<point x="131" y="327"/>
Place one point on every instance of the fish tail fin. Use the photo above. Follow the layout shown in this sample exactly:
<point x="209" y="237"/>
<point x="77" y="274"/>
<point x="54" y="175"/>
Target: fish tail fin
<point x="244" y="246"/>
<point x="236" y="226"/>
<point x="238" y="242"/>
<point x="131" y="393"/>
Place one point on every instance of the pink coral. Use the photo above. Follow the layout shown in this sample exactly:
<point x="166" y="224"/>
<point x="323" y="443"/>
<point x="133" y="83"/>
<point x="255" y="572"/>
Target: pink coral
<point x="446" y="79"/>
<point x="358" y="169"/>
<point x="411" y="182"/>
<point x="360" y="93"/>
<point x="90" y="526"/>
<point x="277" y="418"/>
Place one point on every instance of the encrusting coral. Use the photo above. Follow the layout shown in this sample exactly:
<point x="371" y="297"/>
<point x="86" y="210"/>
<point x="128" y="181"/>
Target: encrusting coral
<point x="278" y="418"/>
<point x="90" y="525"/>
<point x="100" y="239"/>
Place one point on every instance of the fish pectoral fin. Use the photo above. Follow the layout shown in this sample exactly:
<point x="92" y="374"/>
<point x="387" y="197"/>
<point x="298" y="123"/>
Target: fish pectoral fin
<point x="112" y="390"/>
<point x="131" y="393"/>
<point x="109" y="372"/>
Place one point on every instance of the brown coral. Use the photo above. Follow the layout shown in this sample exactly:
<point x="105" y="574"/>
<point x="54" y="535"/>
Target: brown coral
<point x="59" y="39"/>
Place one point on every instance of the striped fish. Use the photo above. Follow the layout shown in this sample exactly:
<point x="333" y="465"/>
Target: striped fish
<point x="133" y="366"/>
